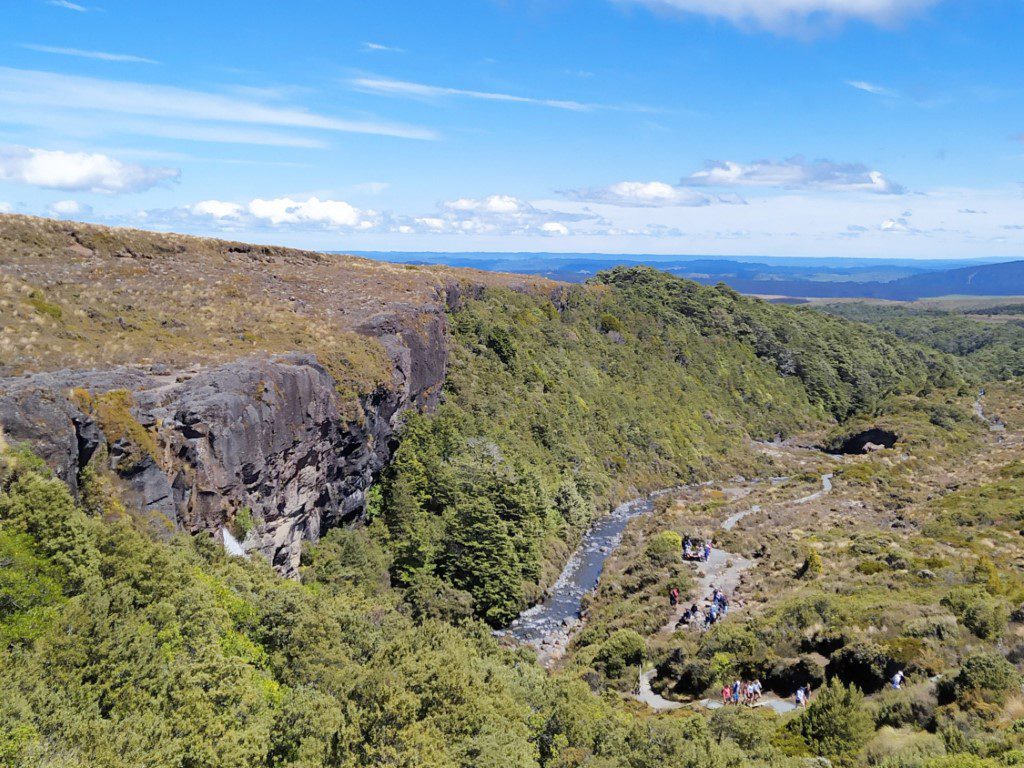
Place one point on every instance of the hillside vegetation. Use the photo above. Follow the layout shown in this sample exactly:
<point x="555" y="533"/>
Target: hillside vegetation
<point x="990" y="350"/>
<point x="640" y="380"/>
<point x="118" y="649"/>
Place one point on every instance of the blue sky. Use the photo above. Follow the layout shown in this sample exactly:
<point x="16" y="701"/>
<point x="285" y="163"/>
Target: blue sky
<point x="778" y="127"/>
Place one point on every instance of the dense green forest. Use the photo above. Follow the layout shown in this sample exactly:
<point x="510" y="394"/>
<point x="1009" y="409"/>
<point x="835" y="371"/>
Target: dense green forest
<point x="990" y="350"/>
<point x="640" y="381"/>
<point x="119" y="650"/>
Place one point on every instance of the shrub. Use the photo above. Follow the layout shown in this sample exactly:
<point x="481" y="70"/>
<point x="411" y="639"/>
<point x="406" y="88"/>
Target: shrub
<point x="940" y="627"/>
<point x="733" y="638"/>
<point x="871" y="567"/>
<point x="985" y="677"/>
<point x="751" y="729"/>
<point x="981" y="613"/>
<point x="691" y="676"/>
<point x="610" y="322"/>
<point x="786" y="675"/>
<point x="836" y="723"/>
<point x="908" y="706"/>
<point x="894" y="748"/>
<point x="624" y="649"/>
<point x="664" y="548"/>
<point x="865" y="665"/>
<point x="964" y="760"/>
<point x="430" y="597"/>
<point x="40" y="304"/>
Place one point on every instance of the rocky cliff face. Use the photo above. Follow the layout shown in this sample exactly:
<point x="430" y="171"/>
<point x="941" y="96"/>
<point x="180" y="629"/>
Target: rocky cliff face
<point x="266" y="438"/>
<point x="205" y="374"/>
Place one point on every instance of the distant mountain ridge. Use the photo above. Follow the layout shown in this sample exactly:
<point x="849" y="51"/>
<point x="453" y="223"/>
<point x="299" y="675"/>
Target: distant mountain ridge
<point x="900" y="280"/>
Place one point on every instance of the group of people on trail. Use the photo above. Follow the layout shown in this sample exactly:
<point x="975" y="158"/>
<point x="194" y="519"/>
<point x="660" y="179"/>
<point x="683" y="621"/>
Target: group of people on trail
<point x="689" y="615"/>
<point x="748" y="693"/>
<point x="696" y="550"/>
<point x="713" y="611"/>
<point x="803" y="695"/>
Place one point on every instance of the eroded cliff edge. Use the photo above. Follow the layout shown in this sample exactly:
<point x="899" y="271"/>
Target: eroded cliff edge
<point x="276" y="443"/>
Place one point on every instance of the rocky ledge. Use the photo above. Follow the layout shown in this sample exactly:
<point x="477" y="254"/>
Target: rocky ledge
<point x="264" y="446"/>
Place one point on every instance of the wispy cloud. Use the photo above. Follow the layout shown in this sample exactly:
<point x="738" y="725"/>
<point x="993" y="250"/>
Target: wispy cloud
<point x="793" y="16"/>
<point x="101" y="55"/>
<point x="647" y="194"/>
<point x="52" y="91"/>
<point x="67" y="5"/>
<point x="91" y="126"/>
<point x="67" y="209"/>
<point x="494" y="215"/>
<point x="78" y="171"/>
<point x="391" y="87"/>
<point x="378" y="47"/>
<point x="794" y="173"/>
<point x="877" y="90"/>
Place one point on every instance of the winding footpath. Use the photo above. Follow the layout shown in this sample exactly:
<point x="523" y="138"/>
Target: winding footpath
<point x="722" y="570"/>
<point x="994" y="424"/>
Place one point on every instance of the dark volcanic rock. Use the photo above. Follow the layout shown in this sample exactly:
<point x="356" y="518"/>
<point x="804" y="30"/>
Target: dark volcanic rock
<point x="270" y="434"/>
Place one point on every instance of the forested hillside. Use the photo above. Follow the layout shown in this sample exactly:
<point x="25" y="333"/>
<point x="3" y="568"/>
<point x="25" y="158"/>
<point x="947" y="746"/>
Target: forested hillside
<point x="640" y="381"/>
<point x="121" y="649"/>
<point x="989" y="349"/>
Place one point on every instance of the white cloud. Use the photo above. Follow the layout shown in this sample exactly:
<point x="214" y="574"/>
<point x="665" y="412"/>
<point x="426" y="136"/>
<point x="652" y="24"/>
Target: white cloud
<point x="877" y="90"/>
<point x="278" y="213"/>
<point x="5" y="207"/>
<point x="101" y="55"/>
<point x="67" y="5"/>
<point x="794" y="16"/>
<point x="494" y="215"/>
<point x="64" y="209"/>
<point x="556" y="228"/>
<point x="28" y="88"/>
<point x="492" y="204"/>
<point x="497" y="215"/>
<point x="794" y="173"/>
<point x="218" y="209"/>
<point x="391" y="87"/>
<point x="899" y="224"/>
<point x="646" y="194"/>
<point x="284" y="210"/>
<point x="78" y="171"/>
<point x="378" y="47"/>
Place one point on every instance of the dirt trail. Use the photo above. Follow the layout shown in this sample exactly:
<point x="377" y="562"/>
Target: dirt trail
<point x="994" y="424"/>
<point x="722" y="570"/>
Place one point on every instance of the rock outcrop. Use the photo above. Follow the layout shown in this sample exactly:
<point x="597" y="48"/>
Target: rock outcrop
<point x="266" y="438"/>
<point x="188" y="368"/>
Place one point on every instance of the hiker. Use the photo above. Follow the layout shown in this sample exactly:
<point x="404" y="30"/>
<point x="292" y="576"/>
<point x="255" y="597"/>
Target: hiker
<point x="897" y="680"/>
<point x="756" y="690"/>
<point x="673" y="596"/>
<point x="736" y="692"/>
<point x="707" y="551"/>
<point x="726" y="695"/>
<point x="800" y="700"/>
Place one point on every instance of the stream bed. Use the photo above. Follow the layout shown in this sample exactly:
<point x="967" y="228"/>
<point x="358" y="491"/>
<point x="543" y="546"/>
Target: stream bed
<point x="547" y="626"/>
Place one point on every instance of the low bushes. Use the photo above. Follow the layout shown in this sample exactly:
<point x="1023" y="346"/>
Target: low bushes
<point x="836" y="724"/>
<point x="983" y="677"/>
<point x="624" y="649"/>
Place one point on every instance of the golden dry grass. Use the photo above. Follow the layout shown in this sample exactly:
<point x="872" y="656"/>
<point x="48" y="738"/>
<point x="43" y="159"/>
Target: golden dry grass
<point x="82" y="296"/>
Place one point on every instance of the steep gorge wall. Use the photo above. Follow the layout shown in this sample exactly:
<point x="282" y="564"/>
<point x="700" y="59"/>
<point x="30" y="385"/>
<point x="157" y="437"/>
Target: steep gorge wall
<point x="267" y="437"/>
